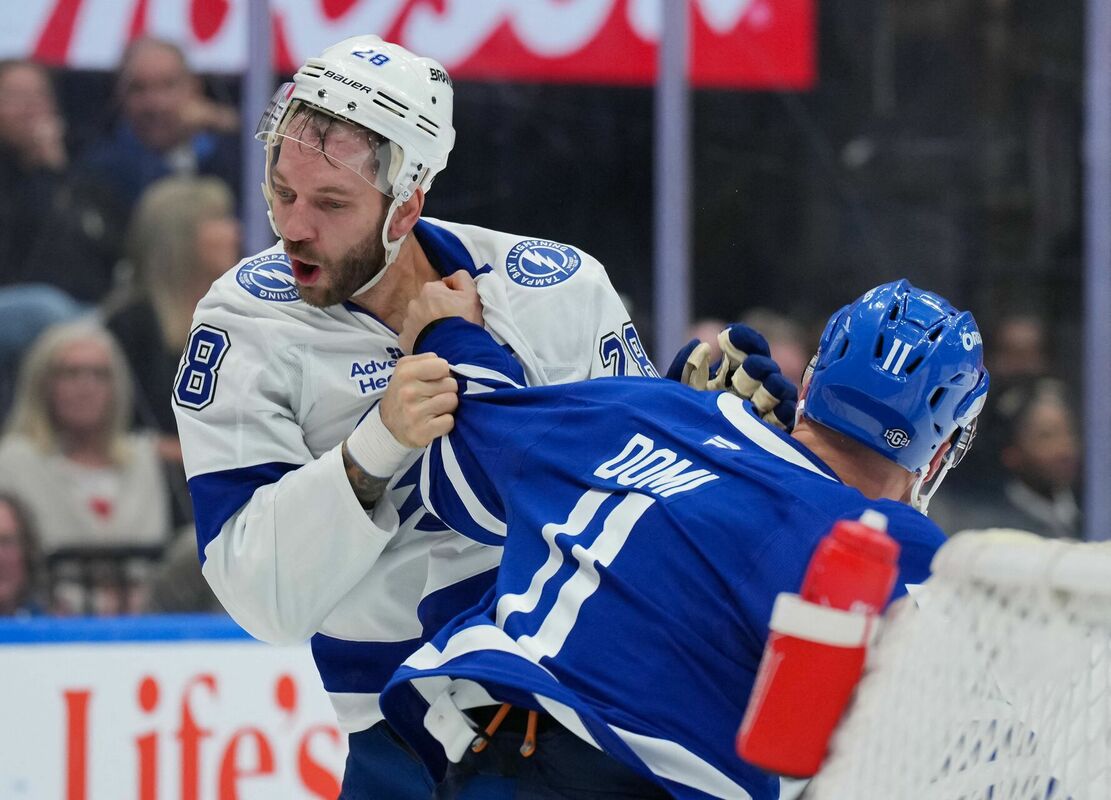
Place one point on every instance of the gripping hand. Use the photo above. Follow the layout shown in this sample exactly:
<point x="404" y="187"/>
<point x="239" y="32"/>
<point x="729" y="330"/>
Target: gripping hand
<point x="746" y="369"/>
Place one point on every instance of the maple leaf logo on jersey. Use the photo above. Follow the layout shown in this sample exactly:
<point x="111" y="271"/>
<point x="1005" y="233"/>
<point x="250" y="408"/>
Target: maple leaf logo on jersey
<point x="539" y="262"/>
<point x="269" y="277"/>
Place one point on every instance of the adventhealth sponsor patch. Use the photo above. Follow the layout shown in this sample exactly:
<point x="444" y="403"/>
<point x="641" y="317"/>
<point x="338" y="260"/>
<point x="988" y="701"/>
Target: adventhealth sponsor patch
<point x="538" y="262"/>
<point x="269" y="277"/>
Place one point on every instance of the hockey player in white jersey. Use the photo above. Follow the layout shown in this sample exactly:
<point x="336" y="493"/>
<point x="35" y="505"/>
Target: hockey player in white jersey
<point x="648" y="529"/>
<point x="290" y="386"/>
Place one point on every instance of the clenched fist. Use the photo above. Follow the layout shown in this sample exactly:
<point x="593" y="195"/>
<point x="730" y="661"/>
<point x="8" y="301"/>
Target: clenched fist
<point x="454" y="296"/>
<point x="418" y="404"/>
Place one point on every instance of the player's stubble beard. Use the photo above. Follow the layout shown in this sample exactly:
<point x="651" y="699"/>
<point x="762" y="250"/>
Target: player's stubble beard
<point x="357" y="266"/>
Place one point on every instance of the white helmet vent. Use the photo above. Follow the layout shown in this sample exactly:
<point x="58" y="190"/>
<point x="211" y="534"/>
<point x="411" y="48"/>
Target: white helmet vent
<point x="391" y="105"/>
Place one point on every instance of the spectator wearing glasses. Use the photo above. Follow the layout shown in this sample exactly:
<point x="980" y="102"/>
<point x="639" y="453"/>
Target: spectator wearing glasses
<point x="67" y="452"/>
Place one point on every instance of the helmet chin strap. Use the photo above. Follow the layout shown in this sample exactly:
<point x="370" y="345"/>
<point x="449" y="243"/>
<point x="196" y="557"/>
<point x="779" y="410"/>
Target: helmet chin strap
<point x="920" y="493"/>
<point x="391" y="248"/>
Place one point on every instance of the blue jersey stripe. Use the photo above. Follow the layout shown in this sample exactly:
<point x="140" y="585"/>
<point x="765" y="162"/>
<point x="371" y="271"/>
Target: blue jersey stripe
<point x="358" y="666"/>
<point x="366" y="667"/>
<point x="440" y="607"/>
<point x="218" y="495"/>
<point x="442" y="502"/>
<point x="456" y="335"/>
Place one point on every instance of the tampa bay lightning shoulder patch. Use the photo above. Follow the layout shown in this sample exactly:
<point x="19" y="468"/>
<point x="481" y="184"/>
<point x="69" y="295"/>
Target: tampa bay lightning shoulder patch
<point x="269" y="277"/>
<point x="539" y="262"/>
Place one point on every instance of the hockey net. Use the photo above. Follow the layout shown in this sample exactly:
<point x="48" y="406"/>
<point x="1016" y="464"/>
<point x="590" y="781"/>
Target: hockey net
<point x="991" y="683"/>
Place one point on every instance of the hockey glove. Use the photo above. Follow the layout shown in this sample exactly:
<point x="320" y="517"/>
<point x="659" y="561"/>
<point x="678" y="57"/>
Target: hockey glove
<point x="746" y="369"/>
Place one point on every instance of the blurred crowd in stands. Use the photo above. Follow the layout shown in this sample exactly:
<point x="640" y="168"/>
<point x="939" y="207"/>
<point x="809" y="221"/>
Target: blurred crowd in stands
<point x="105" y="252"/>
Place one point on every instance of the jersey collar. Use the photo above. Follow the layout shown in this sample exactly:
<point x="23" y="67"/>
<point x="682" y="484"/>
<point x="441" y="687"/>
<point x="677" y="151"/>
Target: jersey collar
<point x="445" y="251"/>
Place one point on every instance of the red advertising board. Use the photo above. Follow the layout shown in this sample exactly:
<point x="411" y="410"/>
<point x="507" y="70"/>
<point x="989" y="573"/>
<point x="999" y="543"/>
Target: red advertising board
<point x="734" y="43"/>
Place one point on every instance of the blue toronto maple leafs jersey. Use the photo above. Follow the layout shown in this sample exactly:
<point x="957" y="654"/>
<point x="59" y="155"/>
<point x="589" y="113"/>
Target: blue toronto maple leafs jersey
<point x="647" y="530"/>
<point x="268" y="389"/>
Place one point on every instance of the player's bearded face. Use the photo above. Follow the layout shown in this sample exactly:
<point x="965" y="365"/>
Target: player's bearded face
<point x="330" y="217"/>
<point x="342" y="276"/>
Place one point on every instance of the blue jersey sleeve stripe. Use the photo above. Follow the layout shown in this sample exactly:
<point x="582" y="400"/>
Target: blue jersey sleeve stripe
<point x="470" y="388"/>
<point x="440" y="496"/>
<point x="218" y="495"/>
<point x="488" y="377"/>
<point x="740" y="415"/>
<point x="406" y="709"/>
<point x="472" y="351"/>
<point x="482" y="516"/>
<point x="428" y="500"/>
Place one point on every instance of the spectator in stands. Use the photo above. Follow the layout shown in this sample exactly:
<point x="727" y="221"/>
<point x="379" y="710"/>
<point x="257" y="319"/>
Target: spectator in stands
<point x="57" y="234"/>
<point x="1018" y="347"/>
<point x="1030" y="428"/>
<point x="67" y="453"/>
<point x="786" y="338"/>
<point x="706" y="330"/>
<point x="19" y="561"/>
<point x="183" y="235"/>
<point x="32" y="160"/>
<point x="57" y="226"/>
<point x="167" y="125"/>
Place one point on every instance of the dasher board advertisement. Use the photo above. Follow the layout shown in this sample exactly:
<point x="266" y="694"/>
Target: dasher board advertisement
<point x="161" y="708"/>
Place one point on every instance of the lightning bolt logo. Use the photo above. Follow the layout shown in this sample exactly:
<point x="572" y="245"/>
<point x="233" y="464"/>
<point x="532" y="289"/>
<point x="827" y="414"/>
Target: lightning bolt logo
<point x="268" y="277"/>
<point x="543" y="261"/>
<point x="276" y="275"/>
<point x="539" y="262"/>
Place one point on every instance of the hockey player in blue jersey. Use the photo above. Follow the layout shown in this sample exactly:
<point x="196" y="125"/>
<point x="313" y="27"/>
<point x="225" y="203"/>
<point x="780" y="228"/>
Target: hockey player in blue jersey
<point x="290" y="391"/>
<point x="647" y="531"/>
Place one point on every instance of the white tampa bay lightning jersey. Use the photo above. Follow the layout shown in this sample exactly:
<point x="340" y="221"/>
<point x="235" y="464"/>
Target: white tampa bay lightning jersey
<point x="268" y="389"/>
<point x="648" y="529"/>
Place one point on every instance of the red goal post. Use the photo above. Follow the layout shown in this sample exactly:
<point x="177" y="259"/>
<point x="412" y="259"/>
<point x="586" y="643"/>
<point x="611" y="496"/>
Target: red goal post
<point x="992" y="681"/>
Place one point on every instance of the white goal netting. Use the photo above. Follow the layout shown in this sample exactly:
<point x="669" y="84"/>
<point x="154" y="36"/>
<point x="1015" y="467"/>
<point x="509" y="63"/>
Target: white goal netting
<point x="991" y="684"/>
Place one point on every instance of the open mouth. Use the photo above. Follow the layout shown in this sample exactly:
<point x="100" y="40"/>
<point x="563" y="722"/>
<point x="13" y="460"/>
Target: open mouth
<point x="304" y="273"/>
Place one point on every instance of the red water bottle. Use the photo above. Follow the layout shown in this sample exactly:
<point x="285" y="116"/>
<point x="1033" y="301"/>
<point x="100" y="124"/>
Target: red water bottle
<point x="815" y="653"/>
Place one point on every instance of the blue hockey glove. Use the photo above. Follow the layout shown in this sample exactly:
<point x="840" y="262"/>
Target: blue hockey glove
<point x="746" y="369"/>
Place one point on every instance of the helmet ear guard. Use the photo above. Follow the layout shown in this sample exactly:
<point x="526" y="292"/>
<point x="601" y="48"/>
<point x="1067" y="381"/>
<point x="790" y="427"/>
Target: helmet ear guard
<point x="926" y="484"/>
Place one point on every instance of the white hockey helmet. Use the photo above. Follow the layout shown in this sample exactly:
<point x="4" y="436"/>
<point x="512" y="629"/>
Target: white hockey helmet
<point x="386" y="89"/>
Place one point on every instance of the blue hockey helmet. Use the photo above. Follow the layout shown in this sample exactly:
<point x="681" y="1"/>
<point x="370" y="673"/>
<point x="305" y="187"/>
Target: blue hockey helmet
<point x="901" y="371"/>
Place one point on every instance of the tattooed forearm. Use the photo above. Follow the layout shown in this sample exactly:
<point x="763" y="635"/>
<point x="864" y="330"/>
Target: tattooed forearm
<point x="368" y="488"/>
